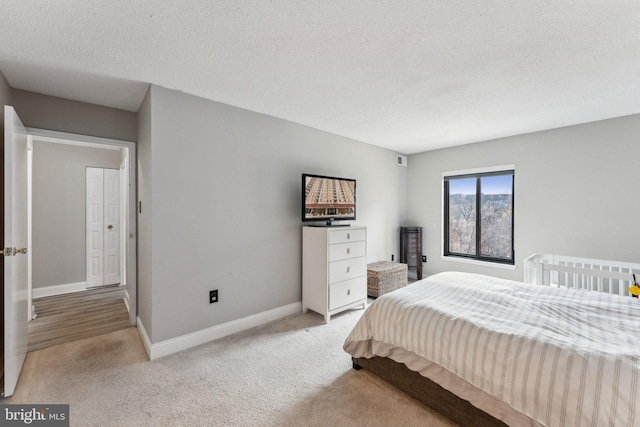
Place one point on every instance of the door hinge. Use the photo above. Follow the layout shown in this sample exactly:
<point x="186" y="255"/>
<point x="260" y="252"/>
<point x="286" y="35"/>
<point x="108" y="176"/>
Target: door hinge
<point x="19" y="251"/>
<point x="7" y="252"/>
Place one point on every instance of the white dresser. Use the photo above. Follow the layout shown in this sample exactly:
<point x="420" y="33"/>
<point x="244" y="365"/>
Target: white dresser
<point x="334" y="269"/>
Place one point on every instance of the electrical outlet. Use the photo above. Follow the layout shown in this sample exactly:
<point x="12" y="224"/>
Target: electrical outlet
<point x="424" y="258"/>
<point x="391" y="257"/>
<point x="213" y="296"/>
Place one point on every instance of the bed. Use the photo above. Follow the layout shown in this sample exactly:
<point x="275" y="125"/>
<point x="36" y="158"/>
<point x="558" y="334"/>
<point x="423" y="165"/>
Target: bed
<point x="488" y="351"/>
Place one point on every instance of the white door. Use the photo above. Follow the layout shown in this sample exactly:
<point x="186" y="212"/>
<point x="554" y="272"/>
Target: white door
<point x="15" y="243"/>
<point x="111" y="226"/>
<point x="103" y="225"/>
<point x="95" y="232"/>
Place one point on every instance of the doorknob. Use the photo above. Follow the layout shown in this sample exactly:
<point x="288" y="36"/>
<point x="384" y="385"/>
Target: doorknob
<point x="12" y="251"/>
<point x="110" y="227"/>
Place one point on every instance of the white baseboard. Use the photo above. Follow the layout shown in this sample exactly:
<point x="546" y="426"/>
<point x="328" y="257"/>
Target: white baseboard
<point x="145" y="338"/>
<point x="67" y="288"/>
<point x="174" y="345"/>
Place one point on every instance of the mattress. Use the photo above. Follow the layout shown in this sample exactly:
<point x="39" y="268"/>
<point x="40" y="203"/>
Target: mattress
<point x="558" y="356"/>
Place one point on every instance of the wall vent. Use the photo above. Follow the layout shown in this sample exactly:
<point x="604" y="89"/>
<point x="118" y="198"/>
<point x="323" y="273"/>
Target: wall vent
<point x="401" y="160"/>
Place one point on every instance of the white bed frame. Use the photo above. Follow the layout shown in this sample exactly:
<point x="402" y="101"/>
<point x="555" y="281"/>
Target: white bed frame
<point x="598" y="275"/>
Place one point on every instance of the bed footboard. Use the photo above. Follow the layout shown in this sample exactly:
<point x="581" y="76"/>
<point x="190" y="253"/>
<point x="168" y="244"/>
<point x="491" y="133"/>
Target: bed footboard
<point x="596" y="275"/>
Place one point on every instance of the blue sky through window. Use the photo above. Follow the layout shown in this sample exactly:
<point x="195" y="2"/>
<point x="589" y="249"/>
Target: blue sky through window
<point x="462" y="186"/>
<point x="498" y="184"/>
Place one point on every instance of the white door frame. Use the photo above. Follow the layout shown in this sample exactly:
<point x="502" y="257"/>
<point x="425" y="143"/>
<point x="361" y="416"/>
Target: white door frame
<point x="29" y="230"/>
<point x="44" y="135"/>
<point x="124" y="229"/>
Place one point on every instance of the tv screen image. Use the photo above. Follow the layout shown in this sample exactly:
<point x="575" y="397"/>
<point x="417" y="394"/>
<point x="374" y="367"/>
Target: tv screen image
<point x="328" y="198"/>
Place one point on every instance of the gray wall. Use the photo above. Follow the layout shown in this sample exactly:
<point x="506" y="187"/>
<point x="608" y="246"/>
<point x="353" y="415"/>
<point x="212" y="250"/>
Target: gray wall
<point x="64" y="115"/>
<point x="226" y="187"/>
<point x="145" y="219"/>
<point x="576" y="192"/>
<point x="59" y="210"/>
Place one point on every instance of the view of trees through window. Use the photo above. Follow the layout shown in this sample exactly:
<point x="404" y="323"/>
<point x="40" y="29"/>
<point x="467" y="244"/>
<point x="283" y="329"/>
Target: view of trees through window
<point x="493" y="195"/>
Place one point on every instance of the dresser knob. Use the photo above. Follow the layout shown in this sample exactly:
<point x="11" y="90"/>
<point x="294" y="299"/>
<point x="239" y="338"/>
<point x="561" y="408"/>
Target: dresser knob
<point x="348" y="269"/>
<point x="348" y="250"/>
<point x="348" y="236"/>
<point x="348" y="291"/>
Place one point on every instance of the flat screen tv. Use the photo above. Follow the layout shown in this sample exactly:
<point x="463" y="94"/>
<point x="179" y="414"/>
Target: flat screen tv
<point x="328" y="199"/>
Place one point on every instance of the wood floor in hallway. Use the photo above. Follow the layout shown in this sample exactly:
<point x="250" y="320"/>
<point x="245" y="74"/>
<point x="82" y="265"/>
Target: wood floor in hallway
<point x="75" y="316"/>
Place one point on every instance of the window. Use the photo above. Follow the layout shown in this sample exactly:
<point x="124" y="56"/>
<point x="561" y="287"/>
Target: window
<point x="478" y="215"/>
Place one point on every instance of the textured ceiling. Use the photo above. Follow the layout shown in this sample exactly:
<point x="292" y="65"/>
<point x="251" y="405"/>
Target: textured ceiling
<point x="406" y="75"/>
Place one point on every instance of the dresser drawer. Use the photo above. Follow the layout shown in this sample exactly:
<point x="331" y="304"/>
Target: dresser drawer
<point x="344" y="236"/>
<point x="347" y="269"/>
<point x="346" y="292"/>
<point x="342" y="251"/>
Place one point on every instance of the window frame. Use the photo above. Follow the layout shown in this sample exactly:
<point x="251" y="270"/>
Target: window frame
<point x="477" y="174"/>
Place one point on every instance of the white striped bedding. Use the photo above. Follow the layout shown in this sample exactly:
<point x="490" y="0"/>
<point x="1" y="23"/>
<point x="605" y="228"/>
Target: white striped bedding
<point x="562" y="357"/>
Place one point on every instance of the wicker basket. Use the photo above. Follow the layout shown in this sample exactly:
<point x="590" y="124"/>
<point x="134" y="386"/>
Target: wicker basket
<point x="385" y="276"/>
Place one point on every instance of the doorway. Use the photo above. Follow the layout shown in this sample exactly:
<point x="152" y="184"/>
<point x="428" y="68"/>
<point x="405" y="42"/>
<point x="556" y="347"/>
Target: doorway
<point x="18" y="287"/>
<point x="116" y="262"/>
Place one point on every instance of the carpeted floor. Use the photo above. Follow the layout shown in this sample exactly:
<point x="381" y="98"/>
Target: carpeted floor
<point x="291" y="372"/>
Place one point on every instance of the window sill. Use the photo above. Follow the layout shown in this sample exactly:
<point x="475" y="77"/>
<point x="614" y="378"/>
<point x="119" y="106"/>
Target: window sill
<point x="478" y="262"/>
